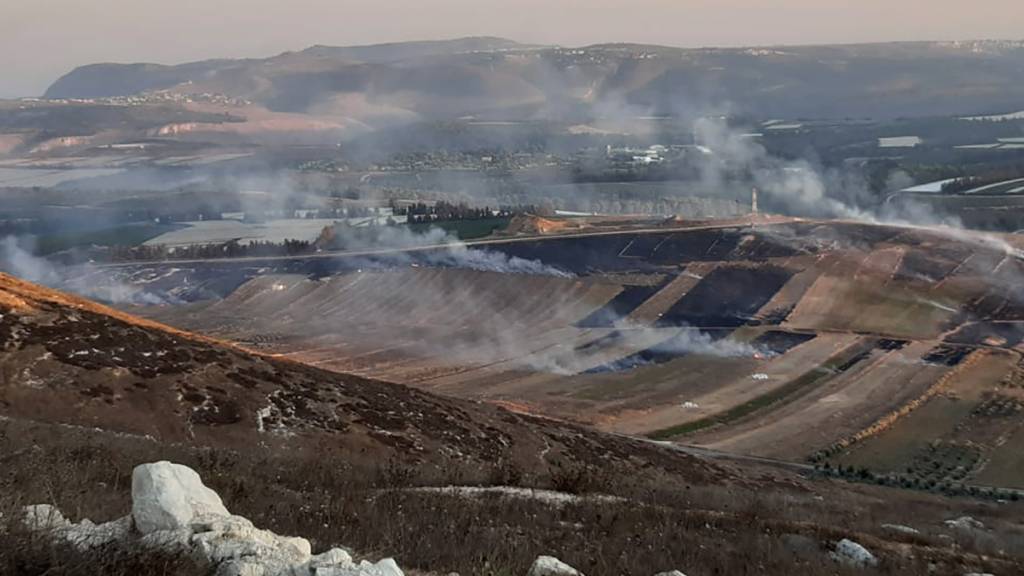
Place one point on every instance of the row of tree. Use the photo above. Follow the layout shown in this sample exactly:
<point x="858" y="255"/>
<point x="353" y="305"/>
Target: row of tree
<point x="442" y="211"/>
<point x="233" y="249"/>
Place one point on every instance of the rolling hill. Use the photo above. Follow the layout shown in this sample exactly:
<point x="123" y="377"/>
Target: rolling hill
<point x="501" y="79"/>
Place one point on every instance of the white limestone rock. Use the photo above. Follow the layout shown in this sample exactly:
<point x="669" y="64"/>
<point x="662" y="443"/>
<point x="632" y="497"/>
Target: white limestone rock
<point x="386" y="567"/>
<point x="43" y="518"/>
<point x="173" y="511"/>
<point x="169" y="496"/>
<point x="670" y="573"/>
<point x="850" y="553"/>
<point x="327" y="563"/>
<point x="901" y="529"/>
<point x="965" y="524"/>
<point x="551" y="566"/>
<point x="174" y="541"/>
<point x="85" y="534"/>
<point x="249" y="567"/>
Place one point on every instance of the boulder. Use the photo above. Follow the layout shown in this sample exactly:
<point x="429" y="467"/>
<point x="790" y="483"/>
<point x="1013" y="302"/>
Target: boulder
<point x="965" y="524"/>
<point x="169" y="496"/>
<point x="551" y="566"/>
<point x="174" y="512"/>
<point x="670" y="573"/>
<point x="850" y="553"/>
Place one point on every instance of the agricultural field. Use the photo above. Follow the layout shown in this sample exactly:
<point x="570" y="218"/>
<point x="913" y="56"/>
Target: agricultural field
<point x="857" y="346"/>
<point x="994" y="206"/>
<point x="222" y="231"/>
<point x="463" y="229"/>
<point x="124" y="235"/>
<point x="960" y="434"/>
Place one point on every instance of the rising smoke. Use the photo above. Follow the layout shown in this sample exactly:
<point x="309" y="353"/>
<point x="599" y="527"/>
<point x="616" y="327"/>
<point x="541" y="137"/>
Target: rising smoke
<point x="798" y="187"/>
<point x="85" y="280"/>
<point x="675" y="342"/>
<point x="434" y="247"/>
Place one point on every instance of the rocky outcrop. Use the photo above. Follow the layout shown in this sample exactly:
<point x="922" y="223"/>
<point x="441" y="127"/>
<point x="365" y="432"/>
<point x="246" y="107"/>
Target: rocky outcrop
<point x="173" y="511"/>
<point x="850" y="553"/>
<point x="84" y="535"/>
<point x="965" y="524"/>
<point x="169" y="496"/>
<point x="551" y="566"/>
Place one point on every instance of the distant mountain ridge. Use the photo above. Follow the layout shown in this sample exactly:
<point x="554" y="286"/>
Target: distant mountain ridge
<point x="502" y="79"/>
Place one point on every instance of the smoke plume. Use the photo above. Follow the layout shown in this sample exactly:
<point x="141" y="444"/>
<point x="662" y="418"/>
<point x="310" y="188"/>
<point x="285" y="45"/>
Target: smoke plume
<point x="434" y="247"/>
<point x="87" y="281"/>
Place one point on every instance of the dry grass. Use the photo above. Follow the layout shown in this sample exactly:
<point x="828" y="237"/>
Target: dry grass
<point x="27" y="554"/>
<point x="658" y="525"/>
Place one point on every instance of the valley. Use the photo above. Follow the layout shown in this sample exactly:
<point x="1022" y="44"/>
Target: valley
<point x="799" y="340"/>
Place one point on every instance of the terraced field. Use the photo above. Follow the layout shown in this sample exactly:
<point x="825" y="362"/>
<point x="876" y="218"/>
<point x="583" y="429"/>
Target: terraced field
<point x="869" y="346"/>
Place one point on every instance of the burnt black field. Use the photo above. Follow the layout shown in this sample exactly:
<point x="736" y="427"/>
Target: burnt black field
<point x="621" y="306"/>
<point x="946" y="355"/>
<point x="732" y="295"/>
<point x="917" y="265"/>
<point x="778" y="342"/>
<point x="678" y="346"/>
<point x="653" y="251"/>
<point x="727" y="297"/>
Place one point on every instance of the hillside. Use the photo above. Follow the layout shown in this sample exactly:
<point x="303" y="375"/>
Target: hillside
<point x="68" y="361"/>
<point x="87" y="393"/>
<point x="500" y="79"/>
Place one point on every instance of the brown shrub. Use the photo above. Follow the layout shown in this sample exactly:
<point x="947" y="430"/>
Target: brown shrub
<point x="654" y="523"/>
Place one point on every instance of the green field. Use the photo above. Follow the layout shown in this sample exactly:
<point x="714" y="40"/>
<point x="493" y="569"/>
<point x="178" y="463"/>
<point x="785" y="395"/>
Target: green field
<point x="895" y="449"/>
<point x="126" y="235"/>
<point x="464" y="229"/>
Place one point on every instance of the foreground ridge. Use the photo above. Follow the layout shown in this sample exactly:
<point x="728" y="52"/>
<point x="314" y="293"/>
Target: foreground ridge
<point x="173" y="512"/>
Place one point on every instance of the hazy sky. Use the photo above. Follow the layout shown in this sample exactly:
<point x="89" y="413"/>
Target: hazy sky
<point x="42" y="39"/>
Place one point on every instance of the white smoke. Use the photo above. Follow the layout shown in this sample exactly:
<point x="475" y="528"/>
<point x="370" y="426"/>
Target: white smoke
<point x="795" y="186"/>
<point x="674" y="342"/>
<point x="798" y="187"/>
<point x="458" y="255"/>
<point x="87" y="281"/>
<point x="436" y="247"/>
<point x="20" y="262"/>
<point x="691" y="340"/>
